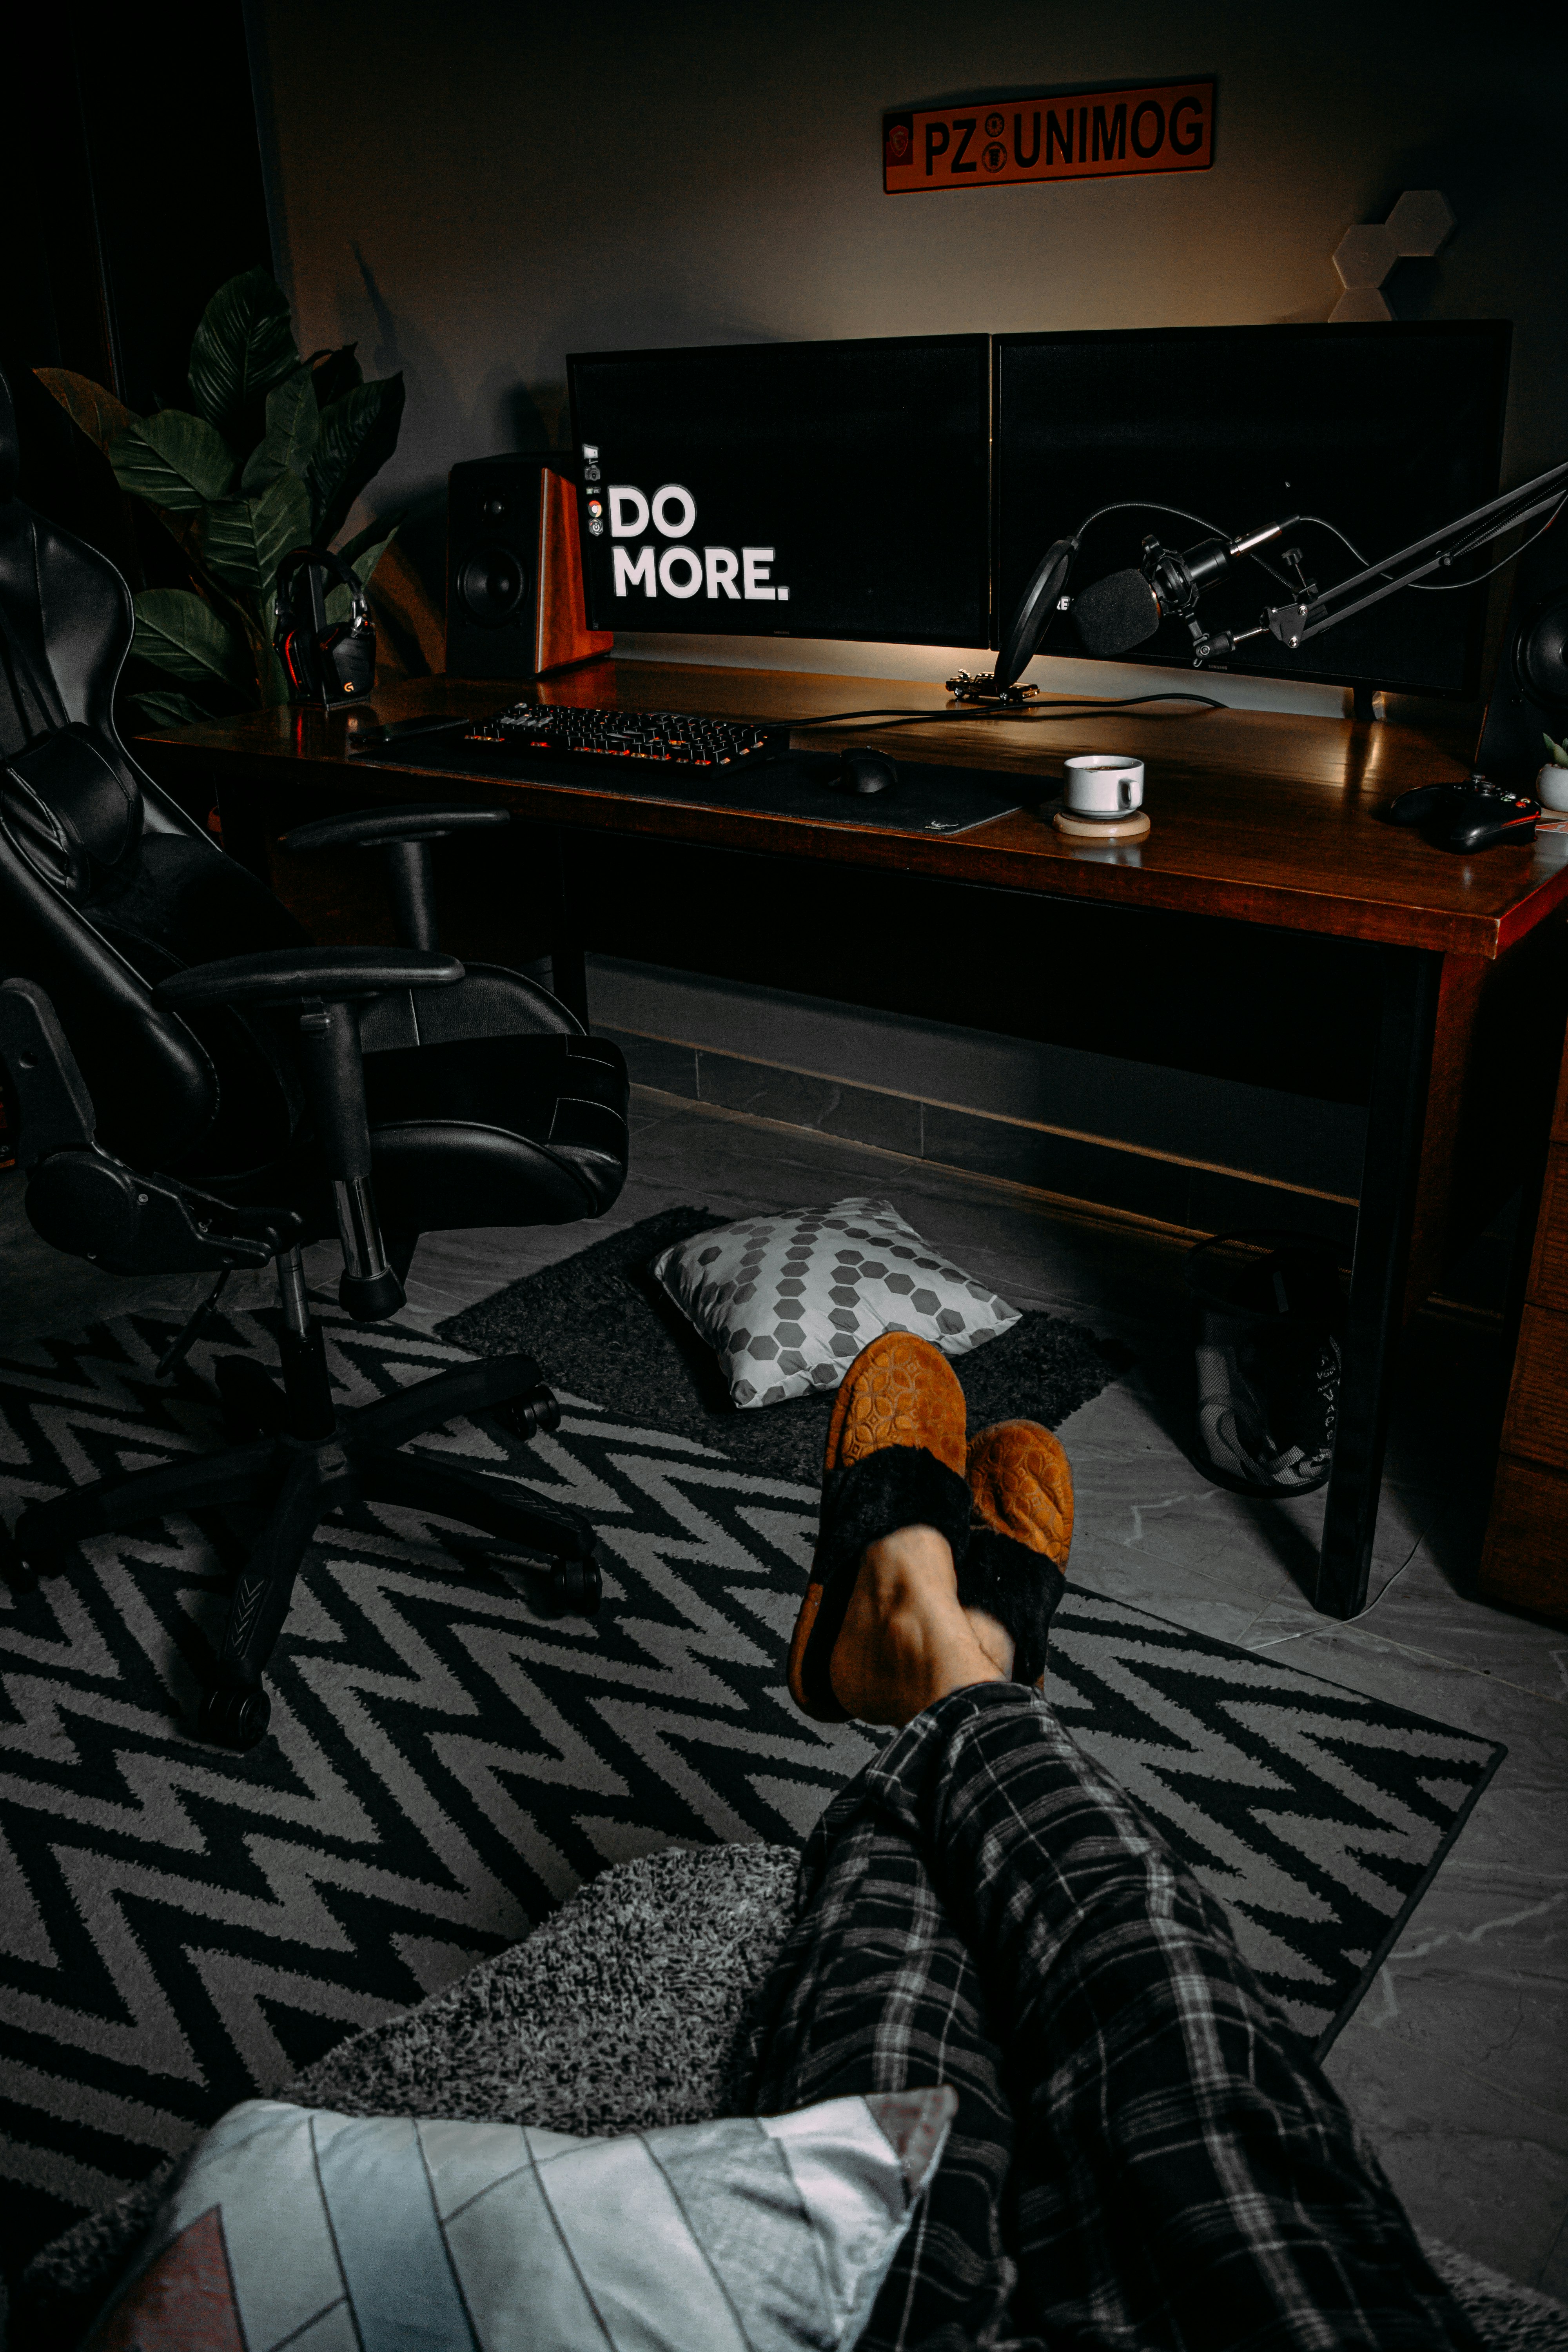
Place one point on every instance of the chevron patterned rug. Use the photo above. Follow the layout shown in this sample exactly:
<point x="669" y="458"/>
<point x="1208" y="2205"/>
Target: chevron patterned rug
<point x="180" y="1928"/>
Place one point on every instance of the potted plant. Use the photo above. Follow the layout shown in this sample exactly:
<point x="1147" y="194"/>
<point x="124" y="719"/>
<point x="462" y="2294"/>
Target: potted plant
<point x="272" y="455"/>
<point x="1552" y="782"/>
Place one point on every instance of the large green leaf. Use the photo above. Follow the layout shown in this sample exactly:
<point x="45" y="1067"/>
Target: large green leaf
<point x="97" y="412"/>
<point x="174" y="460"/>
<point x="293" y="429"/>
<point x="334" y="373"/>
<point x="243" y="540"/>
<point x="358" y="434"/>
<point x="178" y="632"/>
<point x="364" y="552"/>
<point x="274" y="679"/>
<point x="160" y="710"/>
<point x="376" y="535"/>
<point x="243" y="347"/>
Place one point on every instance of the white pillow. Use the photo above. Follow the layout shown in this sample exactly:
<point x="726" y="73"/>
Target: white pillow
<point x="292" y="2226"/>
<point x="787" y="1303"/>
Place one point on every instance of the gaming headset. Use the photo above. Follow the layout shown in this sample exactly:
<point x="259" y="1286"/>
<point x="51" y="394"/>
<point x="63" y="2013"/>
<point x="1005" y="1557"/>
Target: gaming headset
<point x="324" y="662"/>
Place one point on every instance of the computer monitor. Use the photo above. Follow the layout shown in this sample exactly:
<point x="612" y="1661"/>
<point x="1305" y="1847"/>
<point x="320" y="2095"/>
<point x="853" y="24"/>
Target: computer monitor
<point x="1387" y="430"/>
<point x="821" y="489"/>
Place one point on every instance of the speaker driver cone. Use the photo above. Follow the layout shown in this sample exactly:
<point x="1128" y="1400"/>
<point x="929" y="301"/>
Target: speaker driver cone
<point x="490" y="584"/>
<point x="1542" y="655"/>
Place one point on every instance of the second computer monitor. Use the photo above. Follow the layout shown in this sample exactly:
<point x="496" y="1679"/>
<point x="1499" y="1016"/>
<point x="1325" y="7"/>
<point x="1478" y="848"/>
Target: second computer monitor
<point x="1387" y="430"/>
<point x="821" y="489"/>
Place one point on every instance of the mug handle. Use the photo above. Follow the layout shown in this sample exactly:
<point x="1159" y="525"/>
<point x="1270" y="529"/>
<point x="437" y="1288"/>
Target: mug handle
<point x="1124" y="791"/>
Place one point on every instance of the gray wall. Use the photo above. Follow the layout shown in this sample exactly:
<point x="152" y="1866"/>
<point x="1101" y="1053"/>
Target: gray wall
<point x="473" y="191"/>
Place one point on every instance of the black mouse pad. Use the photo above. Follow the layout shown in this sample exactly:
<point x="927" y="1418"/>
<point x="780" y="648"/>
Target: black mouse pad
<point x="924" y="800"/>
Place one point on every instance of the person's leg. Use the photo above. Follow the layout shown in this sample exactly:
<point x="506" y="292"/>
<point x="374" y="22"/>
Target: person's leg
<point x="984" y="1906"/>
<point x="1183" y="2175"/>
<point x="874" y="1989"/>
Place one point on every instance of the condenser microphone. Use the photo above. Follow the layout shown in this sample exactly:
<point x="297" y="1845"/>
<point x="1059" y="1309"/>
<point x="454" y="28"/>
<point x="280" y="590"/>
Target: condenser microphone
<point x="1114" y="615"/>
<point x="1125" y="608"/>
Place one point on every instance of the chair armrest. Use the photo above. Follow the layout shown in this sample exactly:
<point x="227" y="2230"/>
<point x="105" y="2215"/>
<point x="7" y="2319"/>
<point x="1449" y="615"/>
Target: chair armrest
<point x="284" y="976"/>
<point x="326" y="986"/>
<point x="371" y="828"/>
<point x="404" y="837"/>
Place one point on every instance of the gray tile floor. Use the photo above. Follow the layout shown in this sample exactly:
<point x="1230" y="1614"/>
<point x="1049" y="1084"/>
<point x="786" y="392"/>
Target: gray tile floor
<point x="1456" y="2061"/>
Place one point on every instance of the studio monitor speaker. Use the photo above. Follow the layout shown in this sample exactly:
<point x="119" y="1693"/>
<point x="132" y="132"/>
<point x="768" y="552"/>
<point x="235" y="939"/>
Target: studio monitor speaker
<point x="514" y="571"/>
<point x="1530" y="698"/>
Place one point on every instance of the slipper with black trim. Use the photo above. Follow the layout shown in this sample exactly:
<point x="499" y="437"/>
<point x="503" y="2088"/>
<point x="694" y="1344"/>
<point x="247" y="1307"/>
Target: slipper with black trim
<point x="895" y="1458"/>
<point x="1020" y="1533"/>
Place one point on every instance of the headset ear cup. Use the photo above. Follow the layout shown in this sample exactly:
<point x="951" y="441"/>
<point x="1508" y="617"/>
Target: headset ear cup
<point x="347" y="655"/>
<point x="290" y="643"/>
<point x="327" y="665"/>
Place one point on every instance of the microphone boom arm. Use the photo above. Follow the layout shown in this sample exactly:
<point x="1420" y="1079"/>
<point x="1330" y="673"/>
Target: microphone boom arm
<point x="1294" y="624"/>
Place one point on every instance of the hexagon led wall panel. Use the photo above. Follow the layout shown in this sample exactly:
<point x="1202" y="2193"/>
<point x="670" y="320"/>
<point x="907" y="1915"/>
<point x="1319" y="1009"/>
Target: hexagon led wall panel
<point x="1419" y="225"/>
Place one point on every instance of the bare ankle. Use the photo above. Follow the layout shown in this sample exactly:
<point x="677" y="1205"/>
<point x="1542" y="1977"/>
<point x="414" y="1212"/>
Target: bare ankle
<point x="906" y="1641"/>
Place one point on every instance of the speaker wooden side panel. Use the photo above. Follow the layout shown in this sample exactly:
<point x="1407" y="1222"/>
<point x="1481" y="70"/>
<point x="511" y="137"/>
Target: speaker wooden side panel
<point x="562" y="635"/>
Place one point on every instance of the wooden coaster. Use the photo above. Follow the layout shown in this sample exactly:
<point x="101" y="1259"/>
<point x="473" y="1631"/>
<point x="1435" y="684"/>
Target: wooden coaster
<point x="1132" y="827"/>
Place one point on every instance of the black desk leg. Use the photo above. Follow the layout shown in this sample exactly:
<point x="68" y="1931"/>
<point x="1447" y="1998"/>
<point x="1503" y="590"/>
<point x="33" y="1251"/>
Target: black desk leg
<point x="1401" y="1066"/>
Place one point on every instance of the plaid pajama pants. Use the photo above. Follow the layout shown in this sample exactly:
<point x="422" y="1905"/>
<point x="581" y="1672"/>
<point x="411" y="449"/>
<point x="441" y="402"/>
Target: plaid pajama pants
<point x="1141" y="2156"/>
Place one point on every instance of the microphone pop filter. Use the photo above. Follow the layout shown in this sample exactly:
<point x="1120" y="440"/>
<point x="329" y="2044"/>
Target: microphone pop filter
<point x="1116" y="614"/>
<point x="1036" y="605"/>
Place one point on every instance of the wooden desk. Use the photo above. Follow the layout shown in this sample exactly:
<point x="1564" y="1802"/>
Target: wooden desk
<point x="1266" y="828"/>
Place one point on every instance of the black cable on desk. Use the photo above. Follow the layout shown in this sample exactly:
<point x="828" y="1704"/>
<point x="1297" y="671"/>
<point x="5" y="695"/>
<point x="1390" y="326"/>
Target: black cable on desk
<point x="1025" y="714"/>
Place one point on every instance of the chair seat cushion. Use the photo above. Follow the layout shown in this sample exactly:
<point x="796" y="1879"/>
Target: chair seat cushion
<point x="497" y="1130"/>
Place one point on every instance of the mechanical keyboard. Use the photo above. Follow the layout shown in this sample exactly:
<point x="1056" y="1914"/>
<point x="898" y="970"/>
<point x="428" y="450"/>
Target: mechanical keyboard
<point x="675" y="737"/>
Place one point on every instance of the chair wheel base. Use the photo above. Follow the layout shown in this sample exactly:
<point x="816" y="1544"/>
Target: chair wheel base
<point x="234" y="1718"/>
<point x="253" y="1403"/>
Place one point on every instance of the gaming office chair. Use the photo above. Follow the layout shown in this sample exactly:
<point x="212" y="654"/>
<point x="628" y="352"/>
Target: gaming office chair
<point x="191" y="1084"/>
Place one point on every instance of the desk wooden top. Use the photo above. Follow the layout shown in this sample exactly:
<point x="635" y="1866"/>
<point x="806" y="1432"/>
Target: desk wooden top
<point x="1256" y="816"/>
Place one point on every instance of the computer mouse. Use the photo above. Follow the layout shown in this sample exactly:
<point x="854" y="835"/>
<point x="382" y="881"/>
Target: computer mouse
<point x="865" y="771"/>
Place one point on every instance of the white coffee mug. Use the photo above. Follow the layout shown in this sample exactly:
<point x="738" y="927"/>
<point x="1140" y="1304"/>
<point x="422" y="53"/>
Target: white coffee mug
<point x="1103" y="783"/>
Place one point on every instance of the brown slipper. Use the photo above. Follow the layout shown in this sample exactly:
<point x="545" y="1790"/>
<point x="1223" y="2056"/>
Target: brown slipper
<point x="1020" y="1532"/>
<point x="895" y="1459"/>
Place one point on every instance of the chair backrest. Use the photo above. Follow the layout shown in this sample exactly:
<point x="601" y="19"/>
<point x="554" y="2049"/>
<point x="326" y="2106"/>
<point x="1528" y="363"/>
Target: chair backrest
<point x="105" y="887"/>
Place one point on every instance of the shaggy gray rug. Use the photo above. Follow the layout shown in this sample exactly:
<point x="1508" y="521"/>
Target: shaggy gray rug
<point x="622" y="2013"/>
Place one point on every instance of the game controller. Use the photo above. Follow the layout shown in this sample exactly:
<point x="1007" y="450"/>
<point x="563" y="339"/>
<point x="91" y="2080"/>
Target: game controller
<point x="1472" y="814"/>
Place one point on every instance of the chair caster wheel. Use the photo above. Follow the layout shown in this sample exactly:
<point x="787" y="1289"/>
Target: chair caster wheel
<point x="575" y="1586"/>
<point x="234" y="1717"/>
<point x="525" y="1416"/>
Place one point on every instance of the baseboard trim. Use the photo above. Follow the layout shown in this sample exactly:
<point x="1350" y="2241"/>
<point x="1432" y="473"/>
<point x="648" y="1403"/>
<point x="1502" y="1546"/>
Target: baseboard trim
<point x="738" y="1062"/>
<point x="1061" y="1208"/>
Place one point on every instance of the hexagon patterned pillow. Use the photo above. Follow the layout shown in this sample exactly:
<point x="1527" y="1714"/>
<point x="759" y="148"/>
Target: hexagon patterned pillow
<point x="788" y="1302"/>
